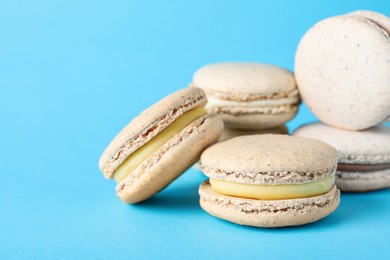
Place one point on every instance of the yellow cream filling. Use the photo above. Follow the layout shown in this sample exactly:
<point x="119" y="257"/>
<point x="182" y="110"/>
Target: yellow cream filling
<point x="140" y="155"/>
<point x="272" y="192"/>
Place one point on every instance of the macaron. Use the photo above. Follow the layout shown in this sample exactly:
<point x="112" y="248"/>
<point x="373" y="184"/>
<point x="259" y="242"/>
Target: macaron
<point x="249" y="95"/>
<point x="364" y="156"/>
<point x="269" y="180"/>
<point x="342" y="68"/>
<point x="160" y="144"/>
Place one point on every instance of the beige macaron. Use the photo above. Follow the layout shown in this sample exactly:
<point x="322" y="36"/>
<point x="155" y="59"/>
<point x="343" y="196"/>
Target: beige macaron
<point x="342" y="67"/>
<point x="269" y="180"/>
<point x="364" y="156"/>
<point x="160" y="144"/>
<point x="249" y="95"/>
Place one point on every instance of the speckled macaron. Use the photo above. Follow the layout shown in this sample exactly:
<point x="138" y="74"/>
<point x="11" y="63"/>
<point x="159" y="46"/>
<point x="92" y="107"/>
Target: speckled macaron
<point x="364" y="156"/>
<point x="249" y="95"/>
<point x="342" y="68"/>
<point x="269" y="180"/>
<point x="160" y="144"/>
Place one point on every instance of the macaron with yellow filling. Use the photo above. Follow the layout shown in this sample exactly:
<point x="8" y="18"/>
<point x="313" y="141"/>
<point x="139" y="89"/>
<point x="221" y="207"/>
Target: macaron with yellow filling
<point x="160" y="144"/>
<point x="249" y="95"/>
<point x="269" y="180"/>
<point x="364" y="156"/>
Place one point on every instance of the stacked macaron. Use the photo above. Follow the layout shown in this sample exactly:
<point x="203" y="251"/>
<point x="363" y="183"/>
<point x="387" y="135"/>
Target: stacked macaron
<point x="342" y="68"/>
<point x="251" y="98"/>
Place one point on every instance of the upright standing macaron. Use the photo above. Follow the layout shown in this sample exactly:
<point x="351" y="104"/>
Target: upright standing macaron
<point x="249" y="95"/>
<point x="159" y="144"/>
<point x="342" y="67"/>
<point x="364" y="156"/>
<point x="269" y="180"/>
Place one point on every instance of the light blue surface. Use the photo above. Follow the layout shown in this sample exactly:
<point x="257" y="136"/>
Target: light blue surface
<point x="73" y="73"/>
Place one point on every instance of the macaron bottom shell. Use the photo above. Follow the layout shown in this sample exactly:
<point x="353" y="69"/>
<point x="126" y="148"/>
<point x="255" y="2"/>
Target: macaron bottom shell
<point x="170" y="160"/>
<point x="254" y="120"/>
<point x="348" y="181"/>
<point x="268" y="213"/>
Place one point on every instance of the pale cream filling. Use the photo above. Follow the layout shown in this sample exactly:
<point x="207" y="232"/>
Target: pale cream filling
<point x="292" y="99"/>
<point x="273" y="192"/>
<point x="142" y="153"/>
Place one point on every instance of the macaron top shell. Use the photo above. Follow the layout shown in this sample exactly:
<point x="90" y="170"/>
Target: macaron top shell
<point x="147" y="125"/>
<point x="269" y="159"/>
<point x="242" y="81"/>
<point x="342" y="68"/>
<point x="370" y="146"/>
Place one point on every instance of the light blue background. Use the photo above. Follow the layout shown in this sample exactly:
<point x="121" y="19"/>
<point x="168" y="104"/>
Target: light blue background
<point x="73" y="73"/>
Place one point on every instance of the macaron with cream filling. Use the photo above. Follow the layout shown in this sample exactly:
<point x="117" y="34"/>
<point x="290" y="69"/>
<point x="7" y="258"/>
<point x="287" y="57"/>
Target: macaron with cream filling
<point x="249" y="95"/>
<point x="364" y="156"/>
<point x="269" y="180"/>
<point x="160" y="144"/>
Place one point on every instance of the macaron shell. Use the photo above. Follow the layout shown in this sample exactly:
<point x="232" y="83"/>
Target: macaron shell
<point x="362" y="181"/>
<point x="258" y="120"/>
<point x="172" y="159"/>
<point x="342" y="67"/>
<point x="268" y="213"/>
<point x="370" y="146"/>
<point x="269" y="159"/>
<point x="147" y="125"/>
<point x="244" y="77"/>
